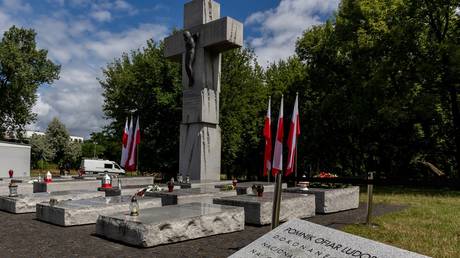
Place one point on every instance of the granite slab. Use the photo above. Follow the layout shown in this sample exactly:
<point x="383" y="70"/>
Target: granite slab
<point x="189" y="195"/>
<point x="332" y="200"/>
<point x="26" y="203"/>
<point x="86" y="211"/>
<point x="298" y="238"/>
<point x="89" y="184"/>
<point x="258" y="210"/>
<point x="156" y="226"/>
<point x="202" y="183"/>
<point x="246" y="187"/>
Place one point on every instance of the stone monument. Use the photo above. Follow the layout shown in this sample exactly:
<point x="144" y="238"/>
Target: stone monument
<point x="299" y="238"/>
<point x="199" y="46"/>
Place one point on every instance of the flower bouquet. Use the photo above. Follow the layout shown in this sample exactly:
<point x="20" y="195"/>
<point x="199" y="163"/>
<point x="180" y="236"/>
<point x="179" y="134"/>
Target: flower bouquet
<point x="324" y="174"/>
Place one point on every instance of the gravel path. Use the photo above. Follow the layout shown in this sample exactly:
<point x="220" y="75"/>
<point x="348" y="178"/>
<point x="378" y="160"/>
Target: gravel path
<point x="24" y="236"/>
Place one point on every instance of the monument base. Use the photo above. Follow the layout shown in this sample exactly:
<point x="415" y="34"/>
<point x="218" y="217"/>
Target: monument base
<point x="86" y="211"/>
<point x="27" y="203"/>
<point x="156" y="226"/>
<point x="182" y="196"/>
<point x="199" y="155"/>
<point x="246" y="187"/>
<point x="258" y="210"/>
<point x="332" y="200"/>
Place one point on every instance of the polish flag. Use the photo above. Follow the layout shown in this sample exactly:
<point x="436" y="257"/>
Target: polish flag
<point x="124" y="145"/>
<point x="278" y="155"/>
<point x="128" y="145"/>
<point x="133" y="151"/>
<point x="268" y="141"/>
<point x="294" y="133"/>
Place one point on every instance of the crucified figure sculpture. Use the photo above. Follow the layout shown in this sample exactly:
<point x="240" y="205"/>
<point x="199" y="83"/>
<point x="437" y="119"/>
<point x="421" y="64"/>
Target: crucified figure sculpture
<point x="190" y="45"/>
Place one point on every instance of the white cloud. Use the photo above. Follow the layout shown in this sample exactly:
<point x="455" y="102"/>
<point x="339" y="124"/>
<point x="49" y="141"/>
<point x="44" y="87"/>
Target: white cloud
<point x="76" y="98"/>
<point x="280" y="27"/>
<point x="101" y="16"/>
<point x="5" y="22"/>
<point x="112" y="45"/>
<point x="16" y="6"/>
<point x="78" y="43"/>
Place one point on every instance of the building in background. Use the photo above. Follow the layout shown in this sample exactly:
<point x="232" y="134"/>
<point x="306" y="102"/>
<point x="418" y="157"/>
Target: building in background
<point x="16" y="157"/>
<point x="28" y="134"/>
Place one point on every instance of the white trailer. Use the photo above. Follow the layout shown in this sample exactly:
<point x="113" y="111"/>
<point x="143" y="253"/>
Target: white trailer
<point x="16" y="157"/>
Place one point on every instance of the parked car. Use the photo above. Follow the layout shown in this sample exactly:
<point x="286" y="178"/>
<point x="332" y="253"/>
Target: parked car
<point x="100" y="166"/>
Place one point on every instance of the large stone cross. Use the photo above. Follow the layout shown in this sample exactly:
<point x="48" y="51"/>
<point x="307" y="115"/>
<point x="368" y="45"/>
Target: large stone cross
<point x="199" y="47"/>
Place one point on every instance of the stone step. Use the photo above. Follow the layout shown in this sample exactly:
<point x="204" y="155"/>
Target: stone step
<point x="86" y="211"/>
<point x="258" y="210"/>
<point x="170" y="224"/>
<point x="26" y="203"/>
<point x="189" y="195"/>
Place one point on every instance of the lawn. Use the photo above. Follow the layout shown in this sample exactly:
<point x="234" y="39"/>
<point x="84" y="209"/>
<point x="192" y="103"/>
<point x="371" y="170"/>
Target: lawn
<point x="430" y="226"/>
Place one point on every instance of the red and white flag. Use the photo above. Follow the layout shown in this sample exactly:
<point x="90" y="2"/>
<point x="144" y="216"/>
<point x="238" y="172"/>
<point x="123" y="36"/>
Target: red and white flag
<point x="278" y="154"/>
<point x="129" y="141"/>
<point x="294" y="133"/>
<point x="124" y="145"/>
<point x="133" y="151"/>
<point x="268" y="141"/>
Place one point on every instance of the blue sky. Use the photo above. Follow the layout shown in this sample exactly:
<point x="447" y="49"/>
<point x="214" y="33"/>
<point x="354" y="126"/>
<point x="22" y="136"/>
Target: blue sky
<point x="84" y="35"/>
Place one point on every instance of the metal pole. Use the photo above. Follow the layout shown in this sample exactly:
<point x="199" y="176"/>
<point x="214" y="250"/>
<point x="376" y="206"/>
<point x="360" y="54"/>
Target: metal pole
<point x="295" y="164"/>
<point x="268" y="175"/>
<point x="370" y="189"/>
<point x="276" y="201"/>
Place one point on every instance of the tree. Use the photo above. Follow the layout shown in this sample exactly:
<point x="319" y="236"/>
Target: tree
<point x="372" y="71"/>
<point x="102" y="145"/>
<point x="73" y="153"/>
<point x="41" y="150"/>
<point x="59" y="139"/>
<point x="145" y="82"/>
<point x="23" y="68"/>
<point x="243" y="104"/>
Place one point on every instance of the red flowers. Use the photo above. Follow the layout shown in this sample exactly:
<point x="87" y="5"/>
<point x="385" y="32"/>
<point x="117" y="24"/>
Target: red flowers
<point x="324" y="174"/>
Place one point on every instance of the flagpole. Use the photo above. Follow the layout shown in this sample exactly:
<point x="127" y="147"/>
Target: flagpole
<point x="137" y="156"/>
<point x="297" y="140"/>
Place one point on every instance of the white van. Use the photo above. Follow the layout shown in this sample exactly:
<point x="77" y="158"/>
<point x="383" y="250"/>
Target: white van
<point x="100" y="166"/>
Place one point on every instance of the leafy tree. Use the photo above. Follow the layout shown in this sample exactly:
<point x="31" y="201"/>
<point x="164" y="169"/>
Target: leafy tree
<point x="73" y="153"/>
<point x="144" y="81"/>
<point x="23" y="68"/>
<point x="40" y="150"/>
<point x="243" y="104"/>
<point x="59" y="139"/>
<point x="373" y="71"/>
<point x="102" y="145"/>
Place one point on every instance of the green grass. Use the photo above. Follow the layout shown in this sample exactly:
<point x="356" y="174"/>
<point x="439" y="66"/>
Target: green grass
<point x="430" y="225"/>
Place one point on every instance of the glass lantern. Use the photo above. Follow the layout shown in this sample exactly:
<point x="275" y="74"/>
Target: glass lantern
<point x="134" y="207"/>
<point x="13" y="190"/>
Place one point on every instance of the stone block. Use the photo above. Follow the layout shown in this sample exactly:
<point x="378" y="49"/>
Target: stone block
<point x="200" y="106"/>
<point x="190" y="195"/>
<point x="298" y="238"/>
<point x="199" y="152"/>
<point x="89" y="184"/>
<point x="27" y="203"/>
<point x="218" y="36"/>
<point x="86" y="211"/>
<point x="23" y="188"/>
<point x="202" y="184"/>
<point x="246" y="187"/>
<point x="332" y="200"/>
<point x="200" y="12"/>
<point x="258" y="210"/>
<point x="156" y="226"/>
